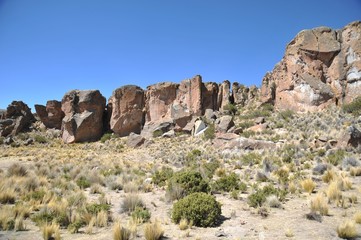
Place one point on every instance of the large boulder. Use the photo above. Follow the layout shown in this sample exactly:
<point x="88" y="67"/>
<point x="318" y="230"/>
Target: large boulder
<point x="126" y="105"/>
<point x="351" y="137"/>
<point x="321" y="67"/>
<point x="224" y="95"/>
<point x="224" y="123"/>
<point x="83" y="121"/>
<point x="17" y="118"/>
<point x="50" y="115"/>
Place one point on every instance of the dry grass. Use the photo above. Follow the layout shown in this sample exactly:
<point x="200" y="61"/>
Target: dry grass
<point x="183" y="224"/>
<point x="89" y="229"/>
<point x="289" y="232"/>
<point x="6" y="218"/>
<point x="347" y="229"/>
<point x="308" y="185"/>
<point x="51" y="231"/>
<point x="329" y="176"/>
<point x="357" y="217"/>
<point x="292" y="187"/>
<point x="319" y="204"/>
<point x="355" y="171"/>
<point x="120" y="232"/>
<point x="131" y="201"/>
<point x="333" y="191"/>
<point x="19" y="224"/>
<point x="102" y="219"/>
<point x="153" y="231"/>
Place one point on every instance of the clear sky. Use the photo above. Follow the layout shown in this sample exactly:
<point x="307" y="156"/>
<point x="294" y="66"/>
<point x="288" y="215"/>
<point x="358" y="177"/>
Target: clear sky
<point x="50" y="47"/>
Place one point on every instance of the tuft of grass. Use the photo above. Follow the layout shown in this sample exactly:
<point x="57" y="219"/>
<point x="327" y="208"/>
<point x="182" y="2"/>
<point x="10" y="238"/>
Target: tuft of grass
<point x="19" y="224"/>
<point x="319" y="204"/>
<point x="131" y="202"/>
<point x="7" y="196"/>
<point x="273" y="202"/>
<point x="355" y="171"/>
<point x="347" y="230"/>
<point x="329" y="175"/>
<point x="292" y="187"/>
<point x="51" y="231"/>
<point x="308" y="185"/>
<point x="153" y="231"/>
<point x="89" y="229"/>
<point x="102" y="219"/>
<point x="17" y="169"/>
<point x="357" y="217"/>
<point x="333" y="191"/>
<point x="120" y="232"/>
<point x="353" y="107"/>
<point x="183" y="224"/>
<point x="289" y="232"/>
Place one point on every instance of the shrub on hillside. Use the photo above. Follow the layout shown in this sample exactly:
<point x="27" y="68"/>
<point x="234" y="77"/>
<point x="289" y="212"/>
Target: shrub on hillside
<point x="227" y="183"/>
<point x="354" y="107"/>
<point x="187" y="182"/>
<point x="257" y="198"/>
<point x="161" y="177"/>
<point x="200" y="208"/>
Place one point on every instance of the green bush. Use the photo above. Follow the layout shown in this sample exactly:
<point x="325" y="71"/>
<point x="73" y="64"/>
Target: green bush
<point x="189" y="182"/>
<point x="354" y="107"/>
<point x="95" y="208"/>
<point x="257" y="198"/>
<point x="209" y="168"/>
<point x="336" y="157"/>
<point x="231" y="108"/>
<point x="75" y="226"/>
<point x="209" y="133"/>
<point x="157" y="133"/>
<point x="83" y="182"/>
<point x="200" y="208"/>
<point x="286" y="114"/>
<point x="161" y="177"/>
<point x="251" y="158"/>
<point x="227" y="183"/>
<point x="141" y="213"/>
<point x="105" y="137"/>
<point x="40" y="139"/>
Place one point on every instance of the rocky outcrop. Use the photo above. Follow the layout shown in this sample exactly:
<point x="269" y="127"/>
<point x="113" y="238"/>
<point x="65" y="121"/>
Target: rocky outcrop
<point x="50" y="115"/>
<point x="243" y="95"/>
<point x="17" y="118"/>
<point x="83" y="121"/>
<point x="126" y="107"/>
<point x="321" y="67"/>
<point x="224" y="95"/>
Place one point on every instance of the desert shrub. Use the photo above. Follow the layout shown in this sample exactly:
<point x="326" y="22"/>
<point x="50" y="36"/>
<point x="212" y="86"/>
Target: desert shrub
<point x="157" y="133"/>
<point x="200" y="208"/>
<point x="286" y="114"/>
<point x="231" y="108"/>
<point x="83" y="182"/>
<point x="40" y="139"/>
<point x="329" y="176"/>
<point x="354" y="107"/>
<point x="189" y="182"/>
<point x="131" y="202"/>
<point x="105" y="137"/>
<point x="7" y="221"/>
<point x="95" y="208"/>
<point x="209" y="168"/>
<point x="288" y="153"/>
<point x="257" y="198"/>
<point x="153" y="231"/>
<point x="357" y="217"/>
<point x="336" y="158"/>
<point x="209" y="133"/>
<point x="245" y="124"/>
<point x="227" y="183"/>
<point x="161" y="177"/>
<point x="248" y="134"/>
<point x="75" y="226"/>
<point x="141" y="214"/>
<point x="347" y="230"/>
<point x="251" y="158"/>
<point x="333" y="191"/>
<point x="273" y="201"/>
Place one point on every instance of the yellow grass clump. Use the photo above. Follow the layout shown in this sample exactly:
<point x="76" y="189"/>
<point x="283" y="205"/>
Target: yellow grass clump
<point x="308" y="185"/>
<point x="153" y="231"/>
<point x="333" y="191"/>
<point x="120" y="232"/>
<point x="347" y="229"/>
<point x="319" y="204"/>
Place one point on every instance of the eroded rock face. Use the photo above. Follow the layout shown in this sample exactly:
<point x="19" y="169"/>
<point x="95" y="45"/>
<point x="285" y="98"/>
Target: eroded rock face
<point x="17" y="118"/>
<point x="224" y="95"/>
<point x="126" y="105"/>
<point x="83" y="121"/>
<point x="320" y="67"/>
<point x="243" y="95"/>
<point x="50" y="115"/>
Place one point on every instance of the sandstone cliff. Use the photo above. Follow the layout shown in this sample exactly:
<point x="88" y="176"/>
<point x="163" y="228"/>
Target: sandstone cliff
<point x="321" y="67"/>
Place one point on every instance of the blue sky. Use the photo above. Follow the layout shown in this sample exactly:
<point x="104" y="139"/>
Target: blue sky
<point x="50" y="47"/>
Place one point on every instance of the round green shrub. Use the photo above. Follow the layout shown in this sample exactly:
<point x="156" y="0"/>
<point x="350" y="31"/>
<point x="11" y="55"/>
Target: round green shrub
<point x="188" y="182"/>
<point x="200" y="208"/>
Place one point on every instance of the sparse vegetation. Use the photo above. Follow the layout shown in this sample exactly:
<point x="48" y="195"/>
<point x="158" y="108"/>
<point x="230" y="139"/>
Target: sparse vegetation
<point x="347" y="229"/>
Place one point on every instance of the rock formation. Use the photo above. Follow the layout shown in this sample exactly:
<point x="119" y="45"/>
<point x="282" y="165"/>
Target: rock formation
<point x="50" y="115"/>
<point x="320" y="67"/>
<point x="126" y="107"/>
<point x="83" y="119"/>
<point x="17" y="118"/>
